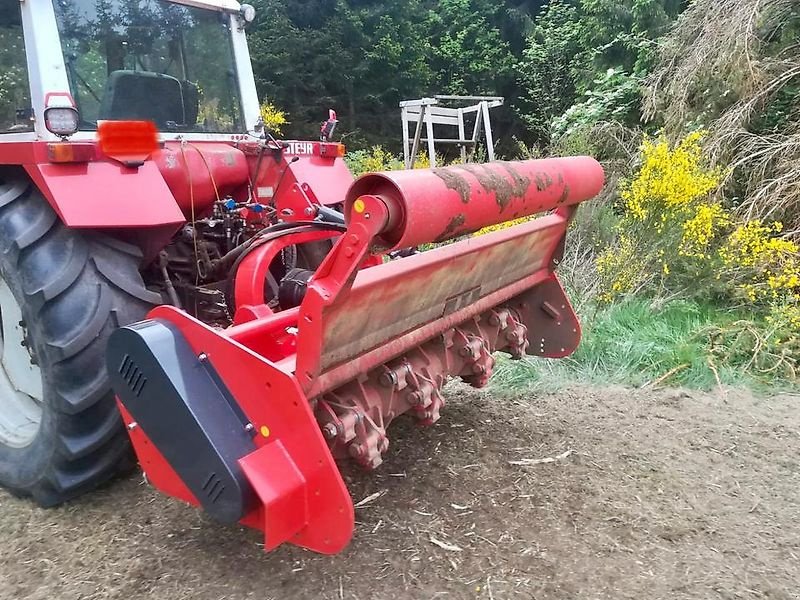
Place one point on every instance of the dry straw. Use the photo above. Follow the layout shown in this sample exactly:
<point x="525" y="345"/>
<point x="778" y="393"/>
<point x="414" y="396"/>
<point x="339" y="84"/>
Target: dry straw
<point x="724" y="63"/>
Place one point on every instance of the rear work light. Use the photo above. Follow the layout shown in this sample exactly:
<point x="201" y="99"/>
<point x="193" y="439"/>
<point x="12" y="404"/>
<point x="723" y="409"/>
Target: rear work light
<point x="62" y="121"/>
<point x="248" y="13"/>
<point x="60" y="115"/>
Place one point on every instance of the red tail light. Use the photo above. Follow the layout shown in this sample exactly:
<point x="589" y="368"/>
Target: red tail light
<point x="70" y="152"/>
<point x="332" y="150"/>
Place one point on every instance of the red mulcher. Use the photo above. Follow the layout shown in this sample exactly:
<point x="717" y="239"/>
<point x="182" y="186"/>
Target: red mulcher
<point x="244" y="293"/>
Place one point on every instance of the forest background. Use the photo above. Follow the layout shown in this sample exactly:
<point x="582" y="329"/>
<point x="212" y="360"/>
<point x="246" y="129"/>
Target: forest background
<point x="687" y="270"/>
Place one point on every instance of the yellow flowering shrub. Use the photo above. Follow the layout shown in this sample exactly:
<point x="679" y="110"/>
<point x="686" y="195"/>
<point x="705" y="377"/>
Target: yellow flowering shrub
<point x="505" y="225"/>
<point x="762" y="265"/>
<point x="673" y="237"/>
<point x="701" y="230"/>
<point x="669" y="178"/>
<point x="670" y="224"/>
<point x="786" y="319"/>
<point x="621" y="268"/>
<point x="378" y="159"/>
<point x="274" y="118"/>
<point x="214" y="116"/>
<point x="674" y="234"/>
<point x="424" y="161"/>
<point x="374" y="160"/>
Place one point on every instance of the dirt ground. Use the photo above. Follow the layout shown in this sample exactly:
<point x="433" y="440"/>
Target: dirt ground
<point x="657" y="494"/>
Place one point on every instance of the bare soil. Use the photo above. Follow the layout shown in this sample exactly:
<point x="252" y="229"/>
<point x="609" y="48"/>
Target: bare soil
<point x="652" y="494"/>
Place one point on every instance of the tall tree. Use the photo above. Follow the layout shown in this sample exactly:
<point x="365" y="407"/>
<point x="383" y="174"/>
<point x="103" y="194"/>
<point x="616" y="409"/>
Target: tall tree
<point x="575" y="43"/>
<point x="362" y="57"/>
<point x="469" y="54"/>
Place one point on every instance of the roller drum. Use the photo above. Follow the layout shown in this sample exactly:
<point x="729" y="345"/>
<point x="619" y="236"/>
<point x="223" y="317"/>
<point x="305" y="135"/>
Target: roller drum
<point x="434" y="205"/>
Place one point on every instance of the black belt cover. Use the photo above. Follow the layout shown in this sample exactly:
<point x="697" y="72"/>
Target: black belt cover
<point x="184" y="408"/>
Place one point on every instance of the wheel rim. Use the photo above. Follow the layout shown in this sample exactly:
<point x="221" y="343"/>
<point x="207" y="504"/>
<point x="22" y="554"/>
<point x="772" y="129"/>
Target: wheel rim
<point x="20" y="378"/>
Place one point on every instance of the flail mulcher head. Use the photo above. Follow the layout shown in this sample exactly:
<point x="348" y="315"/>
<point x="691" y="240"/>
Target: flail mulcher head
<point x="248" y="422"/>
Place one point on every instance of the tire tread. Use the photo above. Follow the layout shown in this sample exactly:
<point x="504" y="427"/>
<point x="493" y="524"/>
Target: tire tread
<point x="99" y="282"/>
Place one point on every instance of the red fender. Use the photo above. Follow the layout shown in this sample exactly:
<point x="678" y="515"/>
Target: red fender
<point x="106" y="194"/>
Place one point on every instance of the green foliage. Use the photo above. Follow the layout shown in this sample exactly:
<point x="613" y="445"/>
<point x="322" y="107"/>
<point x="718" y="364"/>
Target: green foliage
<point x="14" y="92"/>
<point x="397" y="55"/>
<point x="545" y="71"/>
<point x="469" y="55"/>
<point x="768" y="346"/>
<point x="362" y="57"/>
<point x="371" y="161"/>
<point x="614" y="96"/>
<point x="620" y="33"/>
<point x="637" y="342"/>
<point x="378" y="158"/>
<point x="591" y="54"/>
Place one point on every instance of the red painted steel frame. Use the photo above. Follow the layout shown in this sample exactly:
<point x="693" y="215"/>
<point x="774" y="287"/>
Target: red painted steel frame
<point x="107" y="194"/>
<point x="352" y="322"/>
<point x="394" y="308"/>
<point x="158" y="191"/>
<point x="305" y="501"/>
<point x="252" y="273"/>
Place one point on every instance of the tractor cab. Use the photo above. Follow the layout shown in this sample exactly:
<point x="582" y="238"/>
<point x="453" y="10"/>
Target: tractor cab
<point x="181" y="64"/>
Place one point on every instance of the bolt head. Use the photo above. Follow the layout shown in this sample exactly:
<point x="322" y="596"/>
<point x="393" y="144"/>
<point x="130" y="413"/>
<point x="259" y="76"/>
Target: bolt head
<point x="356" y="450"/>
<point x="330" y="431"/>
<point x="388" y="379"/>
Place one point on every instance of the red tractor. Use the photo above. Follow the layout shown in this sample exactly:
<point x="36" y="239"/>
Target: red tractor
<point x="233" y="308"/>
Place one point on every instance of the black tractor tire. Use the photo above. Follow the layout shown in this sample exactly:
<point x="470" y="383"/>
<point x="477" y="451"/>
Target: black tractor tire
<point x="72" y="288"/>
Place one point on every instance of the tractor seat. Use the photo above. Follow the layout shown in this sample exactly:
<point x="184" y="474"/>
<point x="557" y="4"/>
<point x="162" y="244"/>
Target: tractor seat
<point x="146" y="96"/>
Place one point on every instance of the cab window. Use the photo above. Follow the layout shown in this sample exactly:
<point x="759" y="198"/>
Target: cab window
<point x="15" y="100"/>
<point x="150" y="60"/>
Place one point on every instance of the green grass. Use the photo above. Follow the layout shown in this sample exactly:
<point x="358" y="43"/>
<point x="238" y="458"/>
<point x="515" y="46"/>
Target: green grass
<point x="635" y="343"/>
